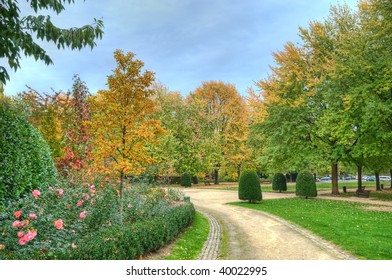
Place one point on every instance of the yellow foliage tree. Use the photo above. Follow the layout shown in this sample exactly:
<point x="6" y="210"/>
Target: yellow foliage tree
<point x="122" y="126"/>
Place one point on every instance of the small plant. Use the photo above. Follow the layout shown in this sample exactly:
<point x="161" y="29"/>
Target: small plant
<point x="279" y="182"/>
<point x="249" y="186"/>
<point x="186" y="180"/>
<point x="305" y="186"/>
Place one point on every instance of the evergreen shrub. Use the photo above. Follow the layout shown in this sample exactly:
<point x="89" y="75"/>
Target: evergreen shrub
<point x="305" y="185"/>
<point x="186" y="180"/>
<point x="279" y="182"/>
<point x="26" y="161"/>
<point x="249" y="186"/>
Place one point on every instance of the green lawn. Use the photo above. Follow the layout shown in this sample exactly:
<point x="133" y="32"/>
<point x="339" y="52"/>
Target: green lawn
<point x="190" y="244"/>
<point x="364" y="233"/>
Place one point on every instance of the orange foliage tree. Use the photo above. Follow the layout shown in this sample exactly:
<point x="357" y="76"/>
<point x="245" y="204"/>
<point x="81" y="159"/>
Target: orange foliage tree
<point x="121" y="124"/>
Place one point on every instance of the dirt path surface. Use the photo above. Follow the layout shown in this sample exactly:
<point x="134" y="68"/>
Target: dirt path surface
<point x="254" y="235"/>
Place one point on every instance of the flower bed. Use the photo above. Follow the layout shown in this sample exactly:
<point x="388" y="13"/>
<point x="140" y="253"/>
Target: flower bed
<point x="89" y="221"/>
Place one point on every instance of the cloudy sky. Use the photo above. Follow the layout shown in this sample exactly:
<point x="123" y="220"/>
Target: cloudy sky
<point x="185" y="42"/>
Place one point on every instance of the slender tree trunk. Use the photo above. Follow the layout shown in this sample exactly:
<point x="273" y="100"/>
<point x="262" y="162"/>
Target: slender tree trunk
<point x="216" y="174"/>
<point x="390" y="174"/>
<point x="359" y="167"/>
<point x="335" y="186"/>
<point x="121" y="197"/>
<point x="378" y="187"/>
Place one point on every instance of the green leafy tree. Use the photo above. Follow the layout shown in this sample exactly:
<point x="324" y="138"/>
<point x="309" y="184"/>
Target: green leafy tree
<point x="16" y="33"/>
<point x="249" y="186"/>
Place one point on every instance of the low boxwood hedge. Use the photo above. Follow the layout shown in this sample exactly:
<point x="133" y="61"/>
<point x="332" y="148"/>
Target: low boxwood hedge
<point x="127" y="242"/>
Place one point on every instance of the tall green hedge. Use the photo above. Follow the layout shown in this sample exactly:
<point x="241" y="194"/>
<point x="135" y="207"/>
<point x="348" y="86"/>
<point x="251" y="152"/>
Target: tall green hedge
<point x="279" y="182"/>
<point x="249" y="186"/>
<point x="25" y="158"/>
<point x="130" y="241"/>
<point x="305" y="185"/>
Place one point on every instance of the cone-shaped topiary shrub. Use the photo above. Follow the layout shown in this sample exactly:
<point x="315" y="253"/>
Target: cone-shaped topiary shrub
<point x="279" y="182"/>
<point x="25" y="158"/>
<point x="249" y="186"/>
<point x="305" y="185"/>
<point x="186" y="180"/>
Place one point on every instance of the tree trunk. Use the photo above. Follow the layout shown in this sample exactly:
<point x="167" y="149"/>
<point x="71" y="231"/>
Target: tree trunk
<point x="378" y="187"/>
<point x="359" y="167"/>
<point x="216" y="174"/>
<point x="390" y="174"/>
<point x="121" y="197"/>
<point x="335" y="186"/>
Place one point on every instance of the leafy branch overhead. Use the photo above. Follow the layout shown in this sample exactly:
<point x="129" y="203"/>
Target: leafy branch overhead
<point x="17" y="33"/>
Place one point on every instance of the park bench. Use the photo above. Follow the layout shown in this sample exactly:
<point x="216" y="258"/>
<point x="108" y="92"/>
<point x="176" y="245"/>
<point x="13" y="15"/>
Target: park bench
<point x="362" y="193"/>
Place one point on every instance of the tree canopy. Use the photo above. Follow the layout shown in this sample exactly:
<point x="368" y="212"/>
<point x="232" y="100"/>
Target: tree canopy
<point x="17" y="33"/>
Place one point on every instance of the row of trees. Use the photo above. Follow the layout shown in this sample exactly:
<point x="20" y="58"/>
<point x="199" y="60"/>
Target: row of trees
<point x="329" y="98"/>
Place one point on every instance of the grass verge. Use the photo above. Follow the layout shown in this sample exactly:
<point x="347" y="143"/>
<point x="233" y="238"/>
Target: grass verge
<point x="364" y="233"/>
<point x="190" y="244"/>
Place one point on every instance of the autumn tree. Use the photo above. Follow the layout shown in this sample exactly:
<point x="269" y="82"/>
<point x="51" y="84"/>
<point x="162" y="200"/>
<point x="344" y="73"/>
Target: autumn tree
<point x="121" y="124"/>
<point x="16" y="33"/>
<point x="222" y="124"/>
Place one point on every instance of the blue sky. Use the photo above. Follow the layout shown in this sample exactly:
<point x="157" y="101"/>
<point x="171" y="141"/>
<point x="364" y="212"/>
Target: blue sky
<point x="185" y="42"/>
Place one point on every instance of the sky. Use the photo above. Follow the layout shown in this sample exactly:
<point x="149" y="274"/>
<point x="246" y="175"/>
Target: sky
<point x="185" y="42"/>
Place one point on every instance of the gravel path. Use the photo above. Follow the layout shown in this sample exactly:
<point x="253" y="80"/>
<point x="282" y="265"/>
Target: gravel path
<point x="255" y="235"/>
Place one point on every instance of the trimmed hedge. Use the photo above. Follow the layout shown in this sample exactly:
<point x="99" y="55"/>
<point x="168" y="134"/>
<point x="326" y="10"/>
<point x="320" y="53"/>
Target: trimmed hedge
<point x="25" y="158"/>
<point x="249" y="186"/>
<point x="279" y="182"/>
<point x="305" y="185"/>
<point x="186" y="180"/>
<point x="128" y="242"/>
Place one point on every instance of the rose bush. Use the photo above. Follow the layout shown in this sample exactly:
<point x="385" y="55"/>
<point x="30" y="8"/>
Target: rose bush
<point x="53" y="223"/>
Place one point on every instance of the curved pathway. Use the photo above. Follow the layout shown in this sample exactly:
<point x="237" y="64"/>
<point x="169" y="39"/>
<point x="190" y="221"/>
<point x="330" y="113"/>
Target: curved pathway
<point x="255" y="235"/>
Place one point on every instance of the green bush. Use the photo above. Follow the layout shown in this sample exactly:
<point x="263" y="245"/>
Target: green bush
<point x="279" y="182"/>
<point x="186" y="180"/>
<point x="249" y="186"/>
<point x="305" y="185"/>
<point x="25" y="158"/>
<point x="135" y="239"/>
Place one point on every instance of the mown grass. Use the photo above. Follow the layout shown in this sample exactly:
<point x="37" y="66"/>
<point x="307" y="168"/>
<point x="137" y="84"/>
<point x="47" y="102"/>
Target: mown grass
<point x="364" y="233"/>
<point x="190" y="244"/>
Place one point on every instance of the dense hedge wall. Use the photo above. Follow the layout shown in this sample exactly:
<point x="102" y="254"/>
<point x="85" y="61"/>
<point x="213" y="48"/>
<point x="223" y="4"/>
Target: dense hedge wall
<point x="25" y="158"/>
<point x="130" y="241"/>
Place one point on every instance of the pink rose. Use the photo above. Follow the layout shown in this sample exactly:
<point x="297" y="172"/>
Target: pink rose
<point x="80" y="202"/>
<point x="60" y="192"/>
<point x="33" y="216"/>
<point x="107" y="179"/>
<point x="20" y="234"/>
<point x="30" y="235"/>
<point x="82" y="215"/>
<point x="50" y="188"/>
<point x="22" y="241"/>
<point x="92" y="187"/>
<point x="86" y="196"/>
<point x="59" y="224"/>
<point x="17" y="214"/>
<point x="17" y="224"/>
<point x="118" y="181"/>
<point x="36" y="193"/>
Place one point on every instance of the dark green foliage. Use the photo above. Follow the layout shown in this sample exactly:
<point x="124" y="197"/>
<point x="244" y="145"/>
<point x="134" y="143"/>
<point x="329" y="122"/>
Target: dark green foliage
<point x="135" y="239"/>
<point x="186" y="180"/>
<point x="195" y="180"/>
<point x="305" y="185"/>
<point x="25" y="158"/>
<point x="279" y="182"/>
<point x="249" y="186"/>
